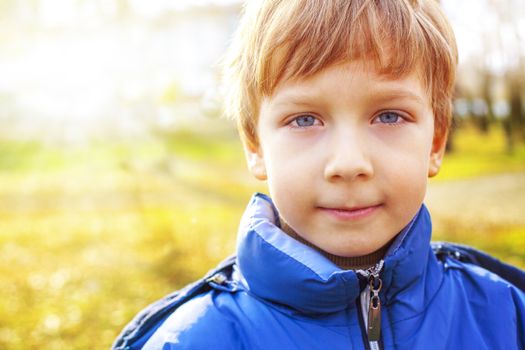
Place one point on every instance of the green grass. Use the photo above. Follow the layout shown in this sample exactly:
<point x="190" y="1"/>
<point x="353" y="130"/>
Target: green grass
<point x="90" y="235"/>
<point x="503" y="241"/>
<point x="478" y="154"/>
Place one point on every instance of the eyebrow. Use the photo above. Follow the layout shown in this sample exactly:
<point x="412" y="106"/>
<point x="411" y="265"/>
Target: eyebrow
<point x="385" y="95"/>
<point x="295" y="98"/>
<point x="389" y="95"/>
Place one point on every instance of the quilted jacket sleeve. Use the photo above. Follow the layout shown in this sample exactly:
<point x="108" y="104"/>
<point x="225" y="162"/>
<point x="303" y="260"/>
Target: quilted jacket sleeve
<point x="196" y="325"/>
<point x="519" y="299"/>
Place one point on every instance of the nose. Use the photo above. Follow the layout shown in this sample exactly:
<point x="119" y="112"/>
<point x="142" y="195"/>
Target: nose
<point x="349" y="159"/>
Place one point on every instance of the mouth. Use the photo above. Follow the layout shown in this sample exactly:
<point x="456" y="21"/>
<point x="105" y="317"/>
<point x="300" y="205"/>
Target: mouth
<point x="351" y="213"/>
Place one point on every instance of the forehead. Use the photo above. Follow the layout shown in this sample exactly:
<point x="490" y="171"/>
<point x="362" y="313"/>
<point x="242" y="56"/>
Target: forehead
<point x="356" y="77"/>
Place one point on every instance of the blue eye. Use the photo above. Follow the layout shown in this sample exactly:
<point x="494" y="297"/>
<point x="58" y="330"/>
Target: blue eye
<point x="305" y="121"/>
<point x="388" y="118"/>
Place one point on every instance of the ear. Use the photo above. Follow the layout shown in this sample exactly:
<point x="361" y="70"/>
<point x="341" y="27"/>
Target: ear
<point x="438" y="151"/>
<point x="255" y="160"/>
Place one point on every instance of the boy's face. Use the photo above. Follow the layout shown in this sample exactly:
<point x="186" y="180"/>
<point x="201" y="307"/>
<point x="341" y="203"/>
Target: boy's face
<point x="347" y="154"/>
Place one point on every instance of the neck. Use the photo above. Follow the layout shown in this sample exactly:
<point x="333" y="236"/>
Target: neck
<point x="346" y="263"/>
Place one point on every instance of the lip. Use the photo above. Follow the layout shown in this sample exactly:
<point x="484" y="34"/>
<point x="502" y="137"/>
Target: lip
<point x="355" y="213"/>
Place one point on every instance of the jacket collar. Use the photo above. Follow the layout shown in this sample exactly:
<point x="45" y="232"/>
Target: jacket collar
<point x="275" y="267"/>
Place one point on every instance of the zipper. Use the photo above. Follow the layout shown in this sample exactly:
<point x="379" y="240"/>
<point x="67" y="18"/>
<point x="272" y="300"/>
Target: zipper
<point x="371" y="304"/>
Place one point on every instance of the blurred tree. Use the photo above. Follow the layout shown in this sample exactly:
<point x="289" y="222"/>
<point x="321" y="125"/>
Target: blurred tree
<point x="514" y="124"/>
<point x="487" y="117"/>
<point x="504" y="56"/>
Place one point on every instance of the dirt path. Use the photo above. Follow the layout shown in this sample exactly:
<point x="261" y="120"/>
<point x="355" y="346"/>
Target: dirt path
<point x="497" y="199"/>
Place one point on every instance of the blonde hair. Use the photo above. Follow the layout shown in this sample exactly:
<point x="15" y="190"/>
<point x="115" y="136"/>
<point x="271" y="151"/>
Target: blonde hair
<point x="289" y="39"/>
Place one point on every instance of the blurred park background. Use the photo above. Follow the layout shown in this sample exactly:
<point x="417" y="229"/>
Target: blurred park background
<point x="119" y="181"/>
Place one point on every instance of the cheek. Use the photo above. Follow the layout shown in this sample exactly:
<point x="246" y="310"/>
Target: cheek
<point x="287" y="190"/>
<point x="288" y="161"/>
<point x="411" y="149"/>
<point x="410" y="169"/>
<point x="404" y="169"/>
<point x="408" y="189"/>
<point x="291" y="173"/>
<point x="287" y="176"/>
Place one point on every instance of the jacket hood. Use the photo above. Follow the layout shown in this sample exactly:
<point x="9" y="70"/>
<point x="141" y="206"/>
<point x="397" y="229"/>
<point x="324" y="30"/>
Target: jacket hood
<point x="277" y="268"/>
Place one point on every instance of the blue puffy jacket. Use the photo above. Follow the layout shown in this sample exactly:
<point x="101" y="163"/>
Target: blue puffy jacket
<point x="285" y="295"/>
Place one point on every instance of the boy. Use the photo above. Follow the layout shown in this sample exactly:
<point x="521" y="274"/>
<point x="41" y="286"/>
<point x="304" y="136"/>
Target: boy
<point x="343" y="107"/>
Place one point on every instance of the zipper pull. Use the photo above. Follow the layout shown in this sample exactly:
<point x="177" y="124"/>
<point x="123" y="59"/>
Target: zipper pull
<point x="374" y="309"/>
